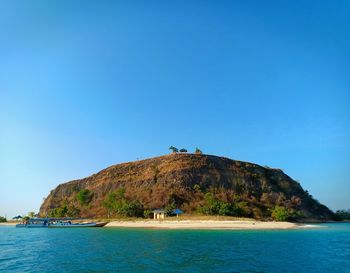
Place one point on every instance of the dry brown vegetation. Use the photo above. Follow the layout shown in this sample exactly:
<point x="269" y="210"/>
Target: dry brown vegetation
<point x="183" y="180"/>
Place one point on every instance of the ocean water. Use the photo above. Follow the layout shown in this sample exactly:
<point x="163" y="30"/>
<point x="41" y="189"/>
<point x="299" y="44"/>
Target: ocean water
<point x="325" y="249"/>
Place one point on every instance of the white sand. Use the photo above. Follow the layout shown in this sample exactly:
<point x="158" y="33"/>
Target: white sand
<point x="205" y="224"/>
<point x="9" y="224"/>
<point x="202" y="224"/>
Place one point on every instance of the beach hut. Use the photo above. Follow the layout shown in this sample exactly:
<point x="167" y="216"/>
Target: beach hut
<point x="158" y="214"/>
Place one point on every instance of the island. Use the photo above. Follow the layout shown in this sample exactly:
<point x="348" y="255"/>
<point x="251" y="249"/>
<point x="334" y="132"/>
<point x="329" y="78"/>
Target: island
<point x="197" y="184"/>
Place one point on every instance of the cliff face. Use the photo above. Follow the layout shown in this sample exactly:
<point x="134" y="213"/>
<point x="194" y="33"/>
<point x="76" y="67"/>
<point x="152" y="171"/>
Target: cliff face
<point x="184" y="179"/>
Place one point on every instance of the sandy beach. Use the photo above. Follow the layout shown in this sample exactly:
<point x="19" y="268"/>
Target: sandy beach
<point x="9" y="224"/>
<point x="206" y="224"/>
<point x="200" y="224"/>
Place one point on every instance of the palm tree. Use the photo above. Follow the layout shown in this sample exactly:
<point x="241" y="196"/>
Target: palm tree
<point x="31" y="214"/>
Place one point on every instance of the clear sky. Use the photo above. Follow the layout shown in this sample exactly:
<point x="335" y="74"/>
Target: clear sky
<point x="88" y="84"/>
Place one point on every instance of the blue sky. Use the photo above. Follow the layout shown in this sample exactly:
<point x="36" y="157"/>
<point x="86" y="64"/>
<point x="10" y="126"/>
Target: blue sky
<point x="84" y="85"/>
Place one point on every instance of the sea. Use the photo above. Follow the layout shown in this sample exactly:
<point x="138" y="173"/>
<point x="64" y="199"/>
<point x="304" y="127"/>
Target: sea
<point x="324" y="248"/>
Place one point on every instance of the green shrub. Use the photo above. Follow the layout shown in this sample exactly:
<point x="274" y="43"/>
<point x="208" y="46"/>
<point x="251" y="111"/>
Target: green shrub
<point x="116" y="203"/>
<point x="242" y="209"/>
<point x="342" y="215"/>
<point x="169" y="208"/>
<point x="225" y="208"/>
<point x="132" y="209"/>
<point x="110" y="200"/>
<point x="211" y="205"/>
<point x="147" y="213"/>
<point x="214" y="206"/>
<point x="31" y="214"/>
<point x="84" y="197"/>
<point x="280" y="213"/>
<point x="59" y="211"/>
<point x="65" y="210"/>
<point x="197" y="188"/>
<point x="73" y="211"/>
<point x="2" y="219"/>
<point x="120" y="193"/>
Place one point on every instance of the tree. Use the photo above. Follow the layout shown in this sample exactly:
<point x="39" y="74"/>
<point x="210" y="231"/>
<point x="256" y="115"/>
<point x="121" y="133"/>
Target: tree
<point x="174" y="149"/>
<point x="31" y="214"/>
<point x="65" y="210"/>
<point x="131" y="209"/>
<point x="343" y="215"/>
<point x="73" y="211"/>
<point x="60" y="211"/>
<point x="2" y="219"/>
<point x="215" y="206"/>
<point x="198" y="151"/>
<point x="280" y="213"/>
<point x="169" y="208"/>
<point x="84" y="197"/>
<point x="225" y="208"/>
<point x="116" y="202"/>
<point x="147" y="213"/>
<point x="120" y="193"/>
<point x="109" y="203"/>
<point x="183" y="150"/>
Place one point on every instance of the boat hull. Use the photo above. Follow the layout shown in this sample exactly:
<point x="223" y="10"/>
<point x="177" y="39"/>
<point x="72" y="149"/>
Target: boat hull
<point x="57" y="223"/>
<point x="31" y="225"/>
<point x="84" y="225"/>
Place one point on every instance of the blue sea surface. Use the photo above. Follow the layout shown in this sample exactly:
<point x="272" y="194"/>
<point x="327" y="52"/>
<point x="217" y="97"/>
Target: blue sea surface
<point x="324" y="249"/>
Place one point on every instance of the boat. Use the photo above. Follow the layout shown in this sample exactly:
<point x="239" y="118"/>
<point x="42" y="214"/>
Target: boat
<point x="69" y="224"/>
<point x="57" y="223"/>
<point x="34" y="223"/>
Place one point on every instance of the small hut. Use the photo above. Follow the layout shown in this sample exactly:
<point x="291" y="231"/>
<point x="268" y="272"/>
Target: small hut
<point x="158" y="214"/>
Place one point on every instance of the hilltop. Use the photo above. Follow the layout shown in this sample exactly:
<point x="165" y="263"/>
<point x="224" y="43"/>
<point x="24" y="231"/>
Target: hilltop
<point x="196" y="183"/>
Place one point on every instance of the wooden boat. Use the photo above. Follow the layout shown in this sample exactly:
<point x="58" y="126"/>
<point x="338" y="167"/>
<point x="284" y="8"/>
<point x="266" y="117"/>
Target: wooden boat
<point x="69" y="224"/>
<point x="57" y="223"/>
<point x="34" y="223"/>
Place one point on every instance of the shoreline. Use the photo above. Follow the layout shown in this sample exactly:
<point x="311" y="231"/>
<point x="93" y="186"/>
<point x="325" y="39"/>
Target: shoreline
<point x="209" y="224"/>
<point x="8" y="224"/>
<point x="246" y="224"/>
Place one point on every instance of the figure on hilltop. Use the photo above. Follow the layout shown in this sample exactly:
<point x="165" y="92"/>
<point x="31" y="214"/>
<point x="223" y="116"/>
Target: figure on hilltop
<point x="198" y="151"/>
<point x="183" y="150"/>
<point x="174" y="149"/>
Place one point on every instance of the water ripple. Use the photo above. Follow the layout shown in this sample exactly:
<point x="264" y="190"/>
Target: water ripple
<point x="137" y="250"/>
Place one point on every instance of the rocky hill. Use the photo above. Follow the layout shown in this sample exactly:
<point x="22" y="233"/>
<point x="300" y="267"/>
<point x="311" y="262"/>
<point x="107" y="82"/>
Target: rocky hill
<point x="195" y="183"/>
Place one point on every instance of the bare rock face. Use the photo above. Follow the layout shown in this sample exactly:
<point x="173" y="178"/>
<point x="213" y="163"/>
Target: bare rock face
<point x="184" y="179"/>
